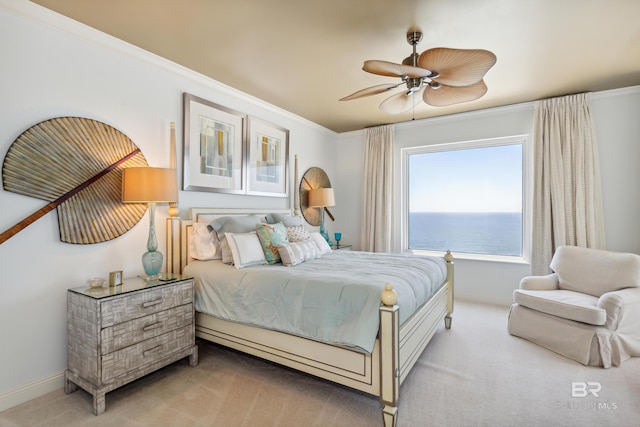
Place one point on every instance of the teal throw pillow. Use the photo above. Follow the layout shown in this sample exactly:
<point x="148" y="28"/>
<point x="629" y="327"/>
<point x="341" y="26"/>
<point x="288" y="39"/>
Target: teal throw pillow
<point x="271" y="235"/>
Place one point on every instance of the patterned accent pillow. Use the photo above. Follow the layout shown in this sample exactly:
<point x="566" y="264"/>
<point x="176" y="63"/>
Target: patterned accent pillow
<point x="297" y="234"/>
<point x="271" y="235"/>
<point x="298" y="252"/>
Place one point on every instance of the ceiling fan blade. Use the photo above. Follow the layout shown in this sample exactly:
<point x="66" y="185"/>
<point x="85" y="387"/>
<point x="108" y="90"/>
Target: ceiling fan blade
<point x="457" y="67"/>
<point x="391" y="69"/>
<point x="373" y="90"/>
<point x="449" y="95"/>
<point x="401" y="102"/>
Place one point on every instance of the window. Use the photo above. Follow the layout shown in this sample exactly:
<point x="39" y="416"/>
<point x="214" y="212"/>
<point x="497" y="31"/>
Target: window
<point x="466" y="197"/>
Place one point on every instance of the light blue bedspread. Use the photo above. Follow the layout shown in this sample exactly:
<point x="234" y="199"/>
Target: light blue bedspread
<point x="333" y="299"/>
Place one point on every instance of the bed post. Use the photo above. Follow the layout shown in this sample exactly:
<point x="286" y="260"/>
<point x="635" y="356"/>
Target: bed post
<point x="389" y="356"/>
<point x="448" y="257"/>
<point x="174" y="255"/>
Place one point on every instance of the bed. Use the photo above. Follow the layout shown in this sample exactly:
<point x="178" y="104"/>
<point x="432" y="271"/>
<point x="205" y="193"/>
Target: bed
<point x="388" y="339"/>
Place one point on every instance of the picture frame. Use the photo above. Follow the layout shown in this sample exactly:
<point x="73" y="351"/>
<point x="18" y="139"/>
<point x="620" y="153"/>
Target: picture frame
<point x="267" y="159"/>
<point x="213" y="151"/>
<point x="115" y="278"/>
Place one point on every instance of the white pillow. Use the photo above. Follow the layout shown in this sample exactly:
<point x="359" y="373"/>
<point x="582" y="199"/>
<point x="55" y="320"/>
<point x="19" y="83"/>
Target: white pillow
<point x="298" y="252"/>
<point x="227" y="256"/>
<point x="204" y="244"/>
<point x="321" y="242"/>
<point x="245" y="249"/>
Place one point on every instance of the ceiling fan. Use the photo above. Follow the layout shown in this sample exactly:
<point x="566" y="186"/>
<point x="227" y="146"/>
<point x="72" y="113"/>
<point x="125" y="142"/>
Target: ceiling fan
<point x="439" y="76"/>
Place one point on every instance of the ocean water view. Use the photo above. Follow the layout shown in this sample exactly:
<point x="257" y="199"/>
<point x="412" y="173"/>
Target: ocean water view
<point x="498" y="233"/>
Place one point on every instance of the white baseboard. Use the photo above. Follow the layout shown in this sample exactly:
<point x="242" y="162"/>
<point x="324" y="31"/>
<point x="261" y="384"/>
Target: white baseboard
<point x="31" y="391"/>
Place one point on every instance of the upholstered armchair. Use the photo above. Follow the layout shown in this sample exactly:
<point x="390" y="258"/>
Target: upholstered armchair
<point x="588" y="309"/>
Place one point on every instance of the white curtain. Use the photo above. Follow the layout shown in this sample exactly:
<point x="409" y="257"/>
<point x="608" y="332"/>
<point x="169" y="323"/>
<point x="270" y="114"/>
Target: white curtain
<point x="375" y="231"/>
<point x="567" y="205"/>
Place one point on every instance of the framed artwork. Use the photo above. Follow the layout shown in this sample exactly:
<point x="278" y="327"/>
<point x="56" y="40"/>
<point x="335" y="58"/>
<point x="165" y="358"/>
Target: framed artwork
<point x="213" y="147"/>
<point x="268" y="154"/>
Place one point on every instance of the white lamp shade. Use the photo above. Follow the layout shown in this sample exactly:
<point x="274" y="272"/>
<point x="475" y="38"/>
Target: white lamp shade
<point x="149" y="185"/>
<point x="321" y="197"/>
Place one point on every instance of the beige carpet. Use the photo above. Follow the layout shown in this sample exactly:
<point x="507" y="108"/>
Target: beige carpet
<point x="476" y="374"/>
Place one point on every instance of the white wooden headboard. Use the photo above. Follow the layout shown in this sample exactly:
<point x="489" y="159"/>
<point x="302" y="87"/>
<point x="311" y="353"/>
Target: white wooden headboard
<point x="179" y="231"/>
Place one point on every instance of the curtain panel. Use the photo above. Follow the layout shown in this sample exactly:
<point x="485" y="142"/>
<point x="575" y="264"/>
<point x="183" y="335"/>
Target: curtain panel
<point x="375" y="231"/>
<point x="567" y="205"/>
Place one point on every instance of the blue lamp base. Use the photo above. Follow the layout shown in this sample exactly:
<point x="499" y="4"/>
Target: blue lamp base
<point x="323" y="231"/>
<point x="152" y="259"/>
<point x="152" y="263"/>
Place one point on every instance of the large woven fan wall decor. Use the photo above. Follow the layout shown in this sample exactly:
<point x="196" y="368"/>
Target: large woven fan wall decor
<point x="75" y="164"/>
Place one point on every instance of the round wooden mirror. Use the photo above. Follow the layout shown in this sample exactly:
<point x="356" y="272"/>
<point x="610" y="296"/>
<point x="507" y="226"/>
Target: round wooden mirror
<point x="313" y="178"/>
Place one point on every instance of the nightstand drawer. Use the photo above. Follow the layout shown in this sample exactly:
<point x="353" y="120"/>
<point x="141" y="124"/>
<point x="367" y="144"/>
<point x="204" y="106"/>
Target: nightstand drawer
<point x="134" y="331"/>
<point x="141" y="304"/>
<point x="128" y="359"/>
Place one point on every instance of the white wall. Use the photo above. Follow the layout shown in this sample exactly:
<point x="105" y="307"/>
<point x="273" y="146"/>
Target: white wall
<point x="52" y="67"/>
<point x="618" y="133"/>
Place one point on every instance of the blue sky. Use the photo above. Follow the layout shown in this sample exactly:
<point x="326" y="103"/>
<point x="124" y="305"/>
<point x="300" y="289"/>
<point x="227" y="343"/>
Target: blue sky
<point x="470" y="180"/>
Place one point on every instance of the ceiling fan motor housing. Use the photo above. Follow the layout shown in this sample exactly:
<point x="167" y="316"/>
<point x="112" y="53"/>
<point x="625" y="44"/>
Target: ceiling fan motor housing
<point x="414" y="37"/>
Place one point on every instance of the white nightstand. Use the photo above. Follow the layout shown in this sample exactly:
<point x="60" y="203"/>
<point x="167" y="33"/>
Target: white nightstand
<point x="118" y="334"/>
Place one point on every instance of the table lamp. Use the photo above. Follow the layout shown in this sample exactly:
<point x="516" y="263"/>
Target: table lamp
<point x="151" y="186"/>
<point x="322" y="198"/>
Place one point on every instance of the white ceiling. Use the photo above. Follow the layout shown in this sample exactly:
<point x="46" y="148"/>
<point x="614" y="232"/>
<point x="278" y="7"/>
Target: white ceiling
<point x="304" y="55"/>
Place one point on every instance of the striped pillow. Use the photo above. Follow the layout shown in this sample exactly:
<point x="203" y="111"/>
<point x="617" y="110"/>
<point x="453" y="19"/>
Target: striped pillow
<point x="298" y="252"/>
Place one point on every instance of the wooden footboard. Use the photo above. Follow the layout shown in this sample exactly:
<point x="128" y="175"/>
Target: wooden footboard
<point x="342" y="365"/>
<point x="401" y="346"/>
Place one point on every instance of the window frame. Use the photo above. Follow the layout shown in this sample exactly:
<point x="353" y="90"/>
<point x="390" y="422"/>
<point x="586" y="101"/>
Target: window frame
<point x="527" y="193"/>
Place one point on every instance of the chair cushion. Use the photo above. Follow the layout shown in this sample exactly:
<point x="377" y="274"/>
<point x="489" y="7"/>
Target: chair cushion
<point x="562" y="303"/>
<point x="595" y="271"/>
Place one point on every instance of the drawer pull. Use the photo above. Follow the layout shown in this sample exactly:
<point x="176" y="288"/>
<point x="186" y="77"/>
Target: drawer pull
<point x="152" y="350"/>
<point x="152" y="326"/>
<point x="152" y="303"/>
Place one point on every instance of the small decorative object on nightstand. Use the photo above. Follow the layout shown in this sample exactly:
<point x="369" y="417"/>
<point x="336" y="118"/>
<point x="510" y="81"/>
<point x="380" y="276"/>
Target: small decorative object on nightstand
<point x="115" y="278"/>
<point x="338" y="236"/>
<point x="118" y="334"/>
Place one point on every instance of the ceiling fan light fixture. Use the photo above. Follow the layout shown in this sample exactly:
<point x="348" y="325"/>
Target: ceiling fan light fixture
<point x="414" y="84"/>
<point x="459" y="74"/>
<point x="401" y="102"/>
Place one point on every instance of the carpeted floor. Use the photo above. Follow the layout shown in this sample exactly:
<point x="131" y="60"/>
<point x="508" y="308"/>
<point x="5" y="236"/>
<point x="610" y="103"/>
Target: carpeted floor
<point x="475" y="374"/>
